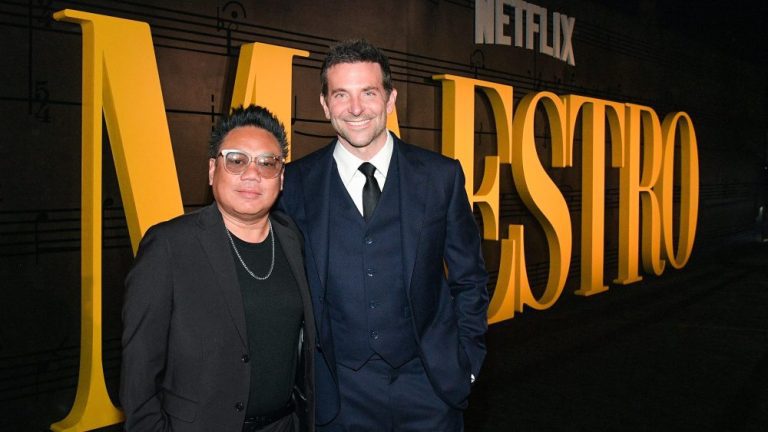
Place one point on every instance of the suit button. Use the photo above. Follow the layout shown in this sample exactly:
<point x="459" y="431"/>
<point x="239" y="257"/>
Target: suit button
<point x="370" y="272"/>
<point x="319" y="348"/>
<point x="368" y="241"/>
<point x="239" y="406"/>
<point x="374" y="335"/>
<point x="372" y="305"/>
<point x="245" y="358"/>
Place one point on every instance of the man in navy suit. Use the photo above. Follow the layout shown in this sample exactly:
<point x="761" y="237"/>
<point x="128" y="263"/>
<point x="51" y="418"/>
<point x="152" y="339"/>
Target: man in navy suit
<point x="393" y="260"/>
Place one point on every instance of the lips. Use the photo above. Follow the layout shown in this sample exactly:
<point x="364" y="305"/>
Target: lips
<point x="249" y="193"/>
<point x="357" y="123"/>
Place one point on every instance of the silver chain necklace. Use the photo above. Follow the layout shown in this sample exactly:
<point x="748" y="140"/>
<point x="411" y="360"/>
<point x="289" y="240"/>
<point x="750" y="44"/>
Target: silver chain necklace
<point x="271" y="266"/>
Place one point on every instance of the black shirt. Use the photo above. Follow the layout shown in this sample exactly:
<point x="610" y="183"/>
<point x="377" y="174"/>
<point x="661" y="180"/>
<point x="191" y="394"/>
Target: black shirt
<point x="273" y="317"/>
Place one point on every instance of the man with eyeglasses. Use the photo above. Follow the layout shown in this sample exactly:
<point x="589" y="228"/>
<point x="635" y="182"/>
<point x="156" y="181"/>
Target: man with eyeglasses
<point x="217" y="315"/>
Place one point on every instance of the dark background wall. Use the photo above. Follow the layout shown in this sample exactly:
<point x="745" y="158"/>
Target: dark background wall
<point x="704" y="58"/>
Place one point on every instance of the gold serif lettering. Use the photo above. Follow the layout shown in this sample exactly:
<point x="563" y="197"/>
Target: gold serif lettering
<point x="120" y="80"/>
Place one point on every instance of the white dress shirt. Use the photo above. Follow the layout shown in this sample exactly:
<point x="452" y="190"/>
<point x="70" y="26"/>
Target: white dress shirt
<point x="352" y="178"/>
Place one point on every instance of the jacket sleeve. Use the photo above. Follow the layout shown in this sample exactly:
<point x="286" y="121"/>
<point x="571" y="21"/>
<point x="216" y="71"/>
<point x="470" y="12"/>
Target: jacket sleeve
<point x="147" y="310"/>
<point x="467" y="276"/>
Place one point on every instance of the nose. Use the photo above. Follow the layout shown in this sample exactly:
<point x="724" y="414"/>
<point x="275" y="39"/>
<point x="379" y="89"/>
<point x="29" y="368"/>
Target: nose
<point x="355" y="106"/>
<point x="251" y="173"/>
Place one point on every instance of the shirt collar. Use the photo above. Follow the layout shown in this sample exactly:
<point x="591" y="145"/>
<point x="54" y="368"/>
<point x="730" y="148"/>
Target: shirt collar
<point x="347" y="163"/>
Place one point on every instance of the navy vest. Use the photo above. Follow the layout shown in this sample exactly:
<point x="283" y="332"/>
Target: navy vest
<point x="369" y="309"/>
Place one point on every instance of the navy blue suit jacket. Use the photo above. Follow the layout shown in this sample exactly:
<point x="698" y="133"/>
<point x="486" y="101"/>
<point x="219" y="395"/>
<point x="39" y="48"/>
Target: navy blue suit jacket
<point x="444" y="272"/>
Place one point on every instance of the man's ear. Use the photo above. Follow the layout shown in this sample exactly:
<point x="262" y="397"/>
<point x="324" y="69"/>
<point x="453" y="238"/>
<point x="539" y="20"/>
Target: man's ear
<point x="325" y="107"/>
<point x="391" y="101"/>
<point x="211" y="170"/>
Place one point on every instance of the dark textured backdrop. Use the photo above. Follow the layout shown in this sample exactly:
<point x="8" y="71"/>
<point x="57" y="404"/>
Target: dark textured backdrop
<point x="705" y="58"/>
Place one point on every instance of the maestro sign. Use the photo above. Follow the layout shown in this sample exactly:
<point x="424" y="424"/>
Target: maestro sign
<point x="121" y="83"/>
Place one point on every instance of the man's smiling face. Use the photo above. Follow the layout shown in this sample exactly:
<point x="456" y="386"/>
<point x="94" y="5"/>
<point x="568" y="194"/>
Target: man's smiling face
<point x="357" y="106"/>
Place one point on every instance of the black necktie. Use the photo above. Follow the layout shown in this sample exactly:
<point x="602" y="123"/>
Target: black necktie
<point x="371" y="190"/>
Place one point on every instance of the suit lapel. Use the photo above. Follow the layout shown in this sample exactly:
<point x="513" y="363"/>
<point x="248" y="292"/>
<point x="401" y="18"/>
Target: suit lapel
<point x="291" y="245"/>
<point x="413" y="199"/>
<point x="214" y="242"/>
<point x="316" y="186"/>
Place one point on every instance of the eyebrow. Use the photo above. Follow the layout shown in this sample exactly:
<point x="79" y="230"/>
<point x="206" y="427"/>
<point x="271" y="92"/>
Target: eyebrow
<point x="345" y="90"/>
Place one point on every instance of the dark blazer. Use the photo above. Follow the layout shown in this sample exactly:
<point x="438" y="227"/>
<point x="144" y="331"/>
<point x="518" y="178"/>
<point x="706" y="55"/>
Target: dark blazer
<point x="184" y="335"/>
<point x="438" y="231"/>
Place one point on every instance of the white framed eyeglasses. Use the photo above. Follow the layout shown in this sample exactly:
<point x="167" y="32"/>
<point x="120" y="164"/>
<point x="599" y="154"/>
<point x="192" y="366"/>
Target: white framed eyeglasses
<point x="268" y="165"/>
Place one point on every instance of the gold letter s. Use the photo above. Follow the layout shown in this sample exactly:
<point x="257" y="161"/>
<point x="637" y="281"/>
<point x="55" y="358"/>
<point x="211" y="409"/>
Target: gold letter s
<point x="543" y="199"/>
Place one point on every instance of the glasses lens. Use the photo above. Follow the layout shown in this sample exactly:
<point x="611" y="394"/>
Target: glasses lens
<point x="269" y="166"/>
<point x="236" y="162"/>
